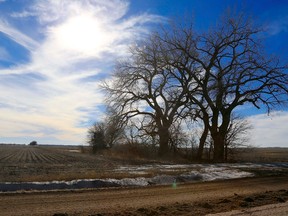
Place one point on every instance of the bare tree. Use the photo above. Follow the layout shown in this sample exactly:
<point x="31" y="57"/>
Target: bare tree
<point x="179" y="73"/>
<point x="238" y="135"/>
<point x="114" y="128"/>
<point x="106" y="134"/>
<point x="230" y="69"/>
<point x="145" y="86"/>
<point x="178" y="137"/>
<point x="146" y="131"/>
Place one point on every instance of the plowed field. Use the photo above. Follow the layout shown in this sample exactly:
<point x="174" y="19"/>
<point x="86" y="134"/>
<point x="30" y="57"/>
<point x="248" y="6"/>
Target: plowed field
<point x="43" y="163"/>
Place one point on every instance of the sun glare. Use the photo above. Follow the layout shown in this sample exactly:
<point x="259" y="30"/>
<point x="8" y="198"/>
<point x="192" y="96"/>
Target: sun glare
<point x="84" y="34"/>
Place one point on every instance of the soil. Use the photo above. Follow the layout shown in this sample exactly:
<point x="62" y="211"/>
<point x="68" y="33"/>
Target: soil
<point x="185" y="199"/>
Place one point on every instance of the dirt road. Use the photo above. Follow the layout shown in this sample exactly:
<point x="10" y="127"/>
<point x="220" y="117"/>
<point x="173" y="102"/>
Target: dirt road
<point x="161" y="200"/>
<point x="266" y="210"/>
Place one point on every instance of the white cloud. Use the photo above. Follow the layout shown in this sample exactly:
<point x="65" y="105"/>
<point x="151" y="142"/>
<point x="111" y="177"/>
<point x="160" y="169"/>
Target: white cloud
<point x="270" y="130"/>
<point x="55" y="91"/>
<point x="52" y="11"/>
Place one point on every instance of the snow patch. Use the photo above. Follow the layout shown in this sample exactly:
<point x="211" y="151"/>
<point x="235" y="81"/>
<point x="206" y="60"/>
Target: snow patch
<point x="183" y="173"/>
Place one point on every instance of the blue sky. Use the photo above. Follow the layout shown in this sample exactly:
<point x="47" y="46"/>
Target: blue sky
<point x="54" y="54"/>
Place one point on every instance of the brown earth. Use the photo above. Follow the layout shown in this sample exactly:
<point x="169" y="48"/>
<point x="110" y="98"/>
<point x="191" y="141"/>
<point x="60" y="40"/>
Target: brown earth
<point x="186" y="199"/>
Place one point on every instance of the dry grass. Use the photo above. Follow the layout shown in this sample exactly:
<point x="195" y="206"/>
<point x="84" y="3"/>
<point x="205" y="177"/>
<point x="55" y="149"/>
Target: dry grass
<point x="262" y="155"/>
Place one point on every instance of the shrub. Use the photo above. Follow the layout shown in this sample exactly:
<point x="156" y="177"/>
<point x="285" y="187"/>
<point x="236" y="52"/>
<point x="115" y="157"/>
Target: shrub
<point x="96" y="137"/>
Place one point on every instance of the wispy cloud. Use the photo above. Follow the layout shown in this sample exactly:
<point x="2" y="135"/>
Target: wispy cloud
<point x="17" y="36"/>
<point x="278" y="26"/>
<point x="57" y="89"/>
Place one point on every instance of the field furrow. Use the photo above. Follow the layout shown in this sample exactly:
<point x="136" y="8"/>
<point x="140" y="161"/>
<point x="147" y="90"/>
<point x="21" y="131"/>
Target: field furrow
<point x="17" y="157"/>
<point x="34" y="157"/>
<point x="42" y="157"/>
<point x="6" y="157"/>
<point x="24" y="157"/>
<point x="52" y="158"/>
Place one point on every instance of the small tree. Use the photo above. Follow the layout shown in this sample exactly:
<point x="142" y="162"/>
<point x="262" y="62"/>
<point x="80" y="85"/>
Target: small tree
<point x="178" y="138"/>
<point x="238" y="135"/>
<point x="104" y="135"/>
<point x="33" y="143"/>
<point x="114" y="128"/>
<point x="96" y="137"/>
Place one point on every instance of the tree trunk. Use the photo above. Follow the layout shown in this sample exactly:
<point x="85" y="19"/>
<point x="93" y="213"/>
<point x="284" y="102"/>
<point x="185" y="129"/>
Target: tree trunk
<point x="219" y="135"/>
<point x="203" y="136"/>
<point x="163" y="142"/>
<point x="202" y="143"/>
<point x="226" y="152"/>
<point x="219" y="147"/>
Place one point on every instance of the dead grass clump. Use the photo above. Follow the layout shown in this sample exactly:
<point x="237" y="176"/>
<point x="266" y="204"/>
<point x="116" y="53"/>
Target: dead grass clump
<point x="131" y="152"/>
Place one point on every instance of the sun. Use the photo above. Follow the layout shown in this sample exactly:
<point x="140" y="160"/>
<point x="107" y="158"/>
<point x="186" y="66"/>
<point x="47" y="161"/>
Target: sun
<point x="84" y="34"/>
